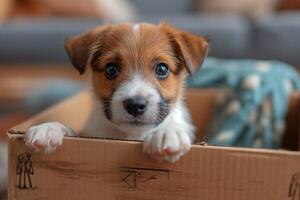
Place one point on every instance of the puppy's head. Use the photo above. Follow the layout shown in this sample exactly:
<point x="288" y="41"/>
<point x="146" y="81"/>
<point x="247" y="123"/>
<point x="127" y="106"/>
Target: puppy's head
<point x="138" y="70"/>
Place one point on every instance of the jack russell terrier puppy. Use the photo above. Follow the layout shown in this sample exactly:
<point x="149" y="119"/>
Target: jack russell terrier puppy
<point x="137" y="76"/>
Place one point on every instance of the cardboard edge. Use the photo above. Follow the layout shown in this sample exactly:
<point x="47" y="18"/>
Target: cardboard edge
<point x="193" y="147"/>
<point x="196" y="146"/>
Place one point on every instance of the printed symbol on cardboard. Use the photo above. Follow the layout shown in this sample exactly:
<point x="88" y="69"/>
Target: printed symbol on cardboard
<point x="24" y="171"/>
<point x="294" y="189"/>
<point x="133" y="177"/>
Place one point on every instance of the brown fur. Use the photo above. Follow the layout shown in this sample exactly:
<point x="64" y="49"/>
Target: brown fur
<point x="181" y="51"/>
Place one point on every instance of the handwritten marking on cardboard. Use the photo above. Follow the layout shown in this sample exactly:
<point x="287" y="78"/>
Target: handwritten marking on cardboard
<point x="134" y="177"/>
<point x="294" y="189"/>
<point x="24" y="171"/>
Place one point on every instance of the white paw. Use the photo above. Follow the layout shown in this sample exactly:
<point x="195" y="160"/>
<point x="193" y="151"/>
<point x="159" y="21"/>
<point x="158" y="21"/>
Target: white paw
<point x="47" y="136"/>
<point x="167" y="145"/>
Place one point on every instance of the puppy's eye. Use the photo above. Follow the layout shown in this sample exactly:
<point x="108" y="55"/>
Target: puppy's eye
<point x="111" y="70"/>
<point x="161" y="70"/>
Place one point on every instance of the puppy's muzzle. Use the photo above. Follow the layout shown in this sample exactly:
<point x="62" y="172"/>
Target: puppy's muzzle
<point x="136" y="105"/>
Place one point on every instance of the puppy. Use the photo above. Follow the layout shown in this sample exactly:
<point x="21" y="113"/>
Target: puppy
<point x="137" y="76"/>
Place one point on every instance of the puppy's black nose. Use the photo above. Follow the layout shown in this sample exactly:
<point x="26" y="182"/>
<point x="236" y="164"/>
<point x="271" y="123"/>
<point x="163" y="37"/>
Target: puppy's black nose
<point x="136" y="105"/>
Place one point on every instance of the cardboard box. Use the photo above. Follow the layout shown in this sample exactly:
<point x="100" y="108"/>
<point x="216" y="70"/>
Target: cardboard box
<point x="87" y="168"/>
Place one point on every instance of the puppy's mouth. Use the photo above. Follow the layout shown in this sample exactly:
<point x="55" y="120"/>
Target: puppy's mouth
<point x="138" y="123"/>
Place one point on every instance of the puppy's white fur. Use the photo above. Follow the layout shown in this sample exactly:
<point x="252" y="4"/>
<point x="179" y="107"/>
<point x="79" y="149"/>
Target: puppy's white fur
<point x="136" y="27"/>
<point x="47" y="136"/>
<point x="168" y="141"/>
<point x="136" y="86"/>
<point x="174" y="135"/>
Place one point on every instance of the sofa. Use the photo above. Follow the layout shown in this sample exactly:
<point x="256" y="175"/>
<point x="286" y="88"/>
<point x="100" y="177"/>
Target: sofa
<point x="232" y="36"/>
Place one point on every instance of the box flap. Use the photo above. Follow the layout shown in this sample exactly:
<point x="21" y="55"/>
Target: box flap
<point x="291" y="137"/>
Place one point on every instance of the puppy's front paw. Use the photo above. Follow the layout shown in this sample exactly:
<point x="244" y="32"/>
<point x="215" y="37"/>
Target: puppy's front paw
<point x="47" y="136"/>
<point x="167" y="145"/>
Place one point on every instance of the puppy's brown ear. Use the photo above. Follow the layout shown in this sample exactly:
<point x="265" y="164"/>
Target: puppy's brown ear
<point x="80" y="48"/>
<point x="190" y="49"/>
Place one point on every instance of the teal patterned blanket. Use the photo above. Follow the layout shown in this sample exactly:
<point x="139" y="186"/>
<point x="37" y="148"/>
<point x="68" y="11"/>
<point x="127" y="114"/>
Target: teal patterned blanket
<point x="253" y="114"/>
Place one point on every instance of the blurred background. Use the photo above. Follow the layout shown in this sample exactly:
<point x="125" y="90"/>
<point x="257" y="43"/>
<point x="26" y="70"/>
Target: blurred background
<point x="32" y="33"/>
<point x="35" y="71"/>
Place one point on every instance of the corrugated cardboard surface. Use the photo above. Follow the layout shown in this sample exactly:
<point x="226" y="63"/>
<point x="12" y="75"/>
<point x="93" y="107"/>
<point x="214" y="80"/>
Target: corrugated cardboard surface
<point x="110" y="169"/>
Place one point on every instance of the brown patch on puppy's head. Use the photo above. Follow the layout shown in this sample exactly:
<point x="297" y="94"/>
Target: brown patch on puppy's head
<point x="190" y="49"/>
<point x="143" y="60"/>
<point x="79" y="48"/>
